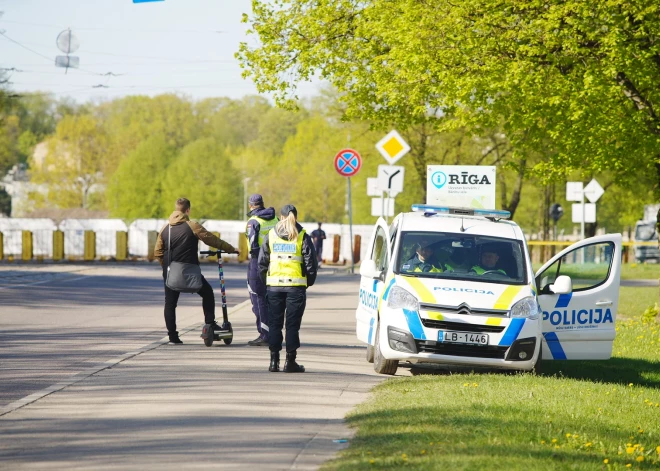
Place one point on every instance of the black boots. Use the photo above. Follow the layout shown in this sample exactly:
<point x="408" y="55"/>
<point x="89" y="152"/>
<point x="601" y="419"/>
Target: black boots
<point x="274" y="362"/>
<point x="290" y="365"/>
<point x="174" y="339"/>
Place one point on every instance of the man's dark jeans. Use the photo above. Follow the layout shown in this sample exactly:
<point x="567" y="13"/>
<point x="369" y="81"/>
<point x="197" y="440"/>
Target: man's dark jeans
<point x="172" y="298"/>
<point x="293" y="302"/>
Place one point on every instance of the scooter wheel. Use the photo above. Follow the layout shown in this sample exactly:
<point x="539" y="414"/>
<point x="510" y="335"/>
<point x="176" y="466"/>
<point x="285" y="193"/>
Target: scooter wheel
<point x="229" y="340"/>
<point x="207" y="335"/>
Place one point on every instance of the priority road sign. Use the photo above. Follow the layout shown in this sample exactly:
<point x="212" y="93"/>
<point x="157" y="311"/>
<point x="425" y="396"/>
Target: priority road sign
<point x="593" y="191"/>
<point x="392" y="147"/>
<point x="348" y="162"/>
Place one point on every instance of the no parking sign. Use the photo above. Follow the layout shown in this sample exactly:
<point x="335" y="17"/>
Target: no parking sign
<point x="348" y="162"/>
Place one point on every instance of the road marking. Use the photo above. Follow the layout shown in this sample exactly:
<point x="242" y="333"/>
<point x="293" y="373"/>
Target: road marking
<point x="77" y="378"/>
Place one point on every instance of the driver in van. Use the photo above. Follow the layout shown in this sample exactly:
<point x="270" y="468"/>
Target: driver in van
<point x="421" y="262"/>
<point x="488" y="261"/>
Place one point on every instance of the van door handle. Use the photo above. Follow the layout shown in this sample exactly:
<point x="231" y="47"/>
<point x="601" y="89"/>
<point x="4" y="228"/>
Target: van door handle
<point x="603" y="303"/>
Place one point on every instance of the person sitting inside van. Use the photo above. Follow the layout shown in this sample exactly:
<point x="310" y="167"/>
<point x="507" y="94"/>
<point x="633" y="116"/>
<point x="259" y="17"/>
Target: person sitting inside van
<point x="459" y="261"/>
<point x="488" y="261"/>
<point x="421" y="262"/>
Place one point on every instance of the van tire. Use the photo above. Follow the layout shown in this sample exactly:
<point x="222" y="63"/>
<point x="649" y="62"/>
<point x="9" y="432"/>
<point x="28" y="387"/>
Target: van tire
<point x="370" y="354"/>
<point x="381" y="365"/>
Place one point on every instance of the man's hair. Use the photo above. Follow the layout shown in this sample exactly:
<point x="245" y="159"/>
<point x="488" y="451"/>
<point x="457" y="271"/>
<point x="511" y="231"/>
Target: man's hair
<point x="182" y="204"/>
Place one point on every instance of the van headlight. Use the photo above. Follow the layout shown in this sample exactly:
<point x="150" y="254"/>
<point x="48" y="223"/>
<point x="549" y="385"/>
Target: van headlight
<point x="526" y="307"/>
<point x="399" y="298"/>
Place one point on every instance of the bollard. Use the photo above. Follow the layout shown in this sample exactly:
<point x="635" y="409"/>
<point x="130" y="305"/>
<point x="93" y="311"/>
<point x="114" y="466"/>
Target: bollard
<point x="90" y="246"/>
<point x="121" y="251"/>
<point x="2" y="246"/>
<point x="335" y="248"/>
<point x="152" y="237"/>
<point x="27" y="249"/>
<point x="58" y="246"/>
<point x="213" y="258"/>
<point x="356" y="248"/>
<point x="242" y="247"/>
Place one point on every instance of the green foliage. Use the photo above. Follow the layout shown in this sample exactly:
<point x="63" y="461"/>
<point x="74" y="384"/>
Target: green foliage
<point x="136" y="189"/>
<point x="74" y="164"/>
<point x="573" y="81"/>
<point x="203" y="174"/>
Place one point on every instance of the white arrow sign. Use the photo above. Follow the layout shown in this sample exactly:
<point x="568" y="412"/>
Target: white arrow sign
<point x="593" y="191"/>
<point x="390" y="179"/>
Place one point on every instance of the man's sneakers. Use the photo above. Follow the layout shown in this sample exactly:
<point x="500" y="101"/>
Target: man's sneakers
<point x="216" y="327"/>
<point x="175" y="340"/>
<point x="258" y="342"/>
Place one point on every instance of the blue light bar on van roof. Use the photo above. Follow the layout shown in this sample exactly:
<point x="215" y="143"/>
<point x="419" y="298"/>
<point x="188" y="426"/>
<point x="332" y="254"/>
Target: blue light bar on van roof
<point x="487" y="213"/>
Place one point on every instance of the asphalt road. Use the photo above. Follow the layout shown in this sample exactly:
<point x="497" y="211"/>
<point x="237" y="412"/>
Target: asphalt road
<point x="58" y="320"/>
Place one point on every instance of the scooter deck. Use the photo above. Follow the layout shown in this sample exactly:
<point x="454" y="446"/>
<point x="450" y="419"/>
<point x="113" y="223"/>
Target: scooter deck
<point x="223" y="334"/>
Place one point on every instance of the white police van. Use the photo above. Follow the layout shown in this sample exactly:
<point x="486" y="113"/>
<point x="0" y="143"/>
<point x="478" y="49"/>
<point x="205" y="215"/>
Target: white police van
<point x="455" y="286"/>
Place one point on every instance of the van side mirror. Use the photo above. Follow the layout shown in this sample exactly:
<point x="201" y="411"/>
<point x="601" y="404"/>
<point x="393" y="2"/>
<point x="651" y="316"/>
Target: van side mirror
<point x="369" y="270"/>
<point x="562" y="285"/>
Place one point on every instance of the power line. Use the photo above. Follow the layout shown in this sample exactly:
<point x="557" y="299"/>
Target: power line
<point x="119" y="30"/>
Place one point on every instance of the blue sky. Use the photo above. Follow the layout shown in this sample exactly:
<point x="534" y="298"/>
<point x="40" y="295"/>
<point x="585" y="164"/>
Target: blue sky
<point x="183" y="46"/>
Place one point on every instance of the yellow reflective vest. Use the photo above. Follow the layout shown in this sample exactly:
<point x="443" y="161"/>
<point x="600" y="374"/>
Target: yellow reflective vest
<point x="286" y="261"/>
<point x="480" y="271"/>
<point x="265" y="225"/>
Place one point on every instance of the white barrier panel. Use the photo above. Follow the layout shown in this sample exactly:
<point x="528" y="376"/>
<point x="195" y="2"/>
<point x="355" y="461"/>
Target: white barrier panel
<point x="106" y="235"/>
<point x="42" y="235"/>
<point x="138" y="238"/>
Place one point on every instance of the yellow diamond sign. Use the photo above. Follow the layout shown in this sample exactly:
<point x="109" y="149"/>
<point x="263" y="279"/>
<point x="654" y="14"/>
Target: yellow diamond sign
<point x="392" y="147"/>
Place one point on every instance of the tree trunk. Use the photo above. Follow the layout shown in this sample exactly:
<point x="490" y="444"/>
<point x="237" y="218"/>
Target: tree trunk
<point x="517" y="189"/>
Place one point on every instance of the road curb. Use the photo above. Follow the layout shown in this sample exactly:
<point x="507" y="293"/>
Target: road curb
<point x="78" y="377"/>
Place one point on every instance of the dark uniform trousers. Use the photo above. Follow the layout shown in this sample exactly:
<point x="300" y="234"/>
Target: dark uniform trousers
<point x="172" y="299"/>
<point x="292" y="301"/>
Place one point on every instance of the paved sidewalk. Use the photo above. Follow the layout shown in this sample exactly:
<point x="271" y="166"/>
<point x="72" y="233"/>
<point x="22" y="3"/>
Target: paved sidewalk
<point x="192" y="407"/>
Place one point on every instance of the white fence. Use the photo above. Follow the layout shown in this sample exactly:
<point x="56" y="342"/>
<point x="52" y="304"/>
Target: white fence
<point x="138" y="235"/>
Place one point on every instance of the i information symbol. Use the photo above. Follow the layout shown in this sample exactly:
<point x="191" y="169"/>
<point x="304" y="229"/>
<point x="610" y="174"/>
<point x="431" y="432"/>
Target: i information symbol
<point x="392" y="147"/>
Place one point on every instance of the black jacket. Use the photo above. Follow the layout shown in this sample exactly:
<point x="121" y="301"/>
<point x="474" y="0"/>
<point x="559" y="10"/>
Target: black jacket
<point x="309" y="267"/>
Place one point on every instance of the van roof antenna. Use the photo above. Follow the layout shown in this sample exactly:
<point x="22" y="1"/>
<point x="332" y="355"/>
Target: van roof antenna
<point x="462" y="225"/>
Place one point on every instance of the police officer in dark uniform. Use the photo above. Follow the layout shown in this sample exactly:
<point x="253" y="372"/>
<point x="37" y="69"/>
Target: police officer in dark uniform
<point x="288" y="266"/>
<point x="261" y="221"/>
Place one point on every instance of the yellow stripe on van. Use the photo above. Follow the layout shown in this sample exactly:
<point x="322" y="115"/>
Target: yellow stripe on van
<point x="494" y="321"/>
<point x="435" y="315"/>
<point x="504" y="301"/>
<point x="422" y="291"/>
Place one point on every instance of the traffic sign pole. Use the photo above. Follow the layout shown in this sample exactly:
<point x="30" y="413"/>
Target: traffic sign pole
<point x="348" y="163"/>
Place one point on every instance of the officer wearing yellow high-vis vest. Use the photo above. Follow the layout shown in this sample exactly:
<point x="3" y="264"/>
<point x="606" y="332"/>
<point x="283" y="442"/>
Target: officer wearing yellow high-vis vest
<point x="288" y="266"/>
<point x="261" y="221"/>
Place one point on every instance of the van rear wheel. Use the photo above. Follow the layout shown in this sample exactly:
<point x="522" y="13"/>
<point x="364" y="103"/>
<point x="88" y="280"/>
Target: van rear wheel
<point x="370" y="353"/>
<point x="381" y="365"/>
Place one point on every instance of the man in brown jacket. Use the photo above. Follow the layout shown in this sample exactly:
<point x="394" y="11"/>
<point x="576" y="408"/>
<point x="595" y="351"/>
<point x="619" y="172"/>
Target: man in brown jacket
<point x="184" y="245"/>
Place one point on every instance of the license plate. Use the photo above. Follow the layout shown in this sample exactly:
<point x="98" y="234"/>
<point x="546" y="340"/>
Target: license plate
<point x="463" y="337"/>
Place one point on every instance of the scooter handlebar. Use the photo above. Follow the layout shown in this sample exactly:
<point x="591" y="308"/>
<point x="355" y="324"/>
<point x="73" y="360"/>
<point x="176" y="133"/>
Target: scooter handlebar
<point x="215" y="252"/>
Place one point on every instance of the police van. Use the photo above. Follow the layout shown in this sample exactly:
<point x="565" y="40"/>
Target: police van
<point x="455" y="286"/>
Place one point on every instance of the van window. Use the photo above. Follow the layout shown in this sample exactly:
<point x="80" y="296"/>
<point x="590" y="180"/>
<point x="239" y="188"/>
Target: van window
<point x="460" y="256"/>
<point x="588" y="266"/>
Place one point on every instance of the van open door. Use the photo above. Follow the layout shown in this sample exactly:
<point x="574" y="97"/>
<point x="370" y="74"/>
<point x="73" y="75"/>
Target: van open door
<point x="372" y="277"/>
<point x="579" y="294"/>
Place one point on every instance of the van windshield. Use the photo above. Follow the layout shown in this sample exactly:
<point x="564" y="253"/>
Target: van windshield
<point x="459" y="256"/>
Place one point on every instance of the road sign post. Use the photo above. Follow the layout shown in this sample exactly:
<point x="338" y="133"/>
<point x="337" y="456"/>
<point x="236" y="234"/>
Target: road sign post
<point x="348" y="163"/>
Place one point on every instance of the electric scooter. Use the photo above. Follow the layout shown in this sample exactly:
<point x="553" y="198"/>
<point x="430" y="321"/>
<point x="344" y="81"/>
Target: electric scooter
<point x="226" y="334"/>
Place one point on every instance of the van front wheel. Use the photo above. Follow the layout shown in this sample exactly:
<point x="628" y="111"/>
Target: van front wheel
<point x="381" y="365"/>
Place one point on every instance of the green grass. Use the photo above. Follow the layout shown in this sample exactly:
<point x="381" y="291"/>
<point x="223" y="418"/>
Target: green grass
<point x="573" y="416"/>
<point x="629" y="271"/>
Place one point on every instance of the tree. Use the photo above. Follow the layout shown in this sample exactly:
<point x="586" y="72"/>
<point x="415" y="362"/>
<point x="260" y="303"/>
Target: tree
<point x="74" y="166"/>
<point x="577" y="78"/>
<point x="203" y="173"/>
<point x="136" y="189"/>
